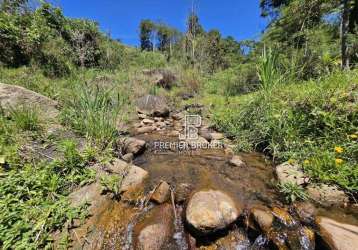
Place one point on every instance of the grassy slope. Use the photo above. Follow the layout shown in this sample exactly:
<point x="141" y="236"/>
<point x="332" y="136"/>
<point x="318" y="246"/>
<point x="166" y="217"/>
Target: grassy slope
<point x="34" y="193"/>
<point x="312" y="123"/>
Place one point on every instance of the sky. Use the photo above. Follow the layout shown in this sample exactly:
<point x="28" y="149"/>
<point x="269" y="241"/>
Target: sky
<point x="238" y="18"/>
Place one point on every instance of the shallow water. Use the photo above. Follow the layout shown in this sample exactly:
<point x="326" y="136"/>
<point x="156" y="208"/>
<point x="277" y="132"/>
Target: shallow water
<point x="250" y="186"/>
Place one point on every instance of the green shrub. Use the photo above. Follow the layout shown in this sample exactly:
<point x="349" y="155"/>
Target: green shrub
<point x="112" y="184"/>
<point x="54" y="59"/>
<point x="292" y="192"/>
<point x="94" y="113"/>
<point x="112" y="54"/>
<point x="34" y="202"/>
<point x="233" y="81"/>
<point x="303" y="122"/>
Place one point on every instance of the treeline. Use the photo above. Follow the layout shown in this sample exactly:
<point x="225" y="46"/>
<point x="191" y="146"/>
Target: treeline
<point x="45" y="38"/>
<point x="310" y="38"/>
<point x="320" y="34"/>
<point x="207" y="50"/>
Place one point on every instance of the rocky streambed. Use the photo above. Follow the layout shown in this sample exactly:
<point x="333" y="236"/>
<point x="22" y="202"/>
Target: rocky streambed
<point x="204" y="197"/>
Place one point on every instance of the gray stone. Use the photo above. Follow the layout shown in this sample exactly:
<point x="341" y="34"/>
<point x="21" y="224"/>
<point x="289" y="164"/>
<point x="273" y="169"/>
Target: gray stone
<point x="144" y="130"/>
<point x="128" y="157"/>
<point x="152" y="105"/>
<point x="288" y="173"/>
<point x="306" y="211"/>
<point x="327" y="195"/>
<point x="133" y="176"/>
<point x="182" y="192"/>
<point x="263" y="218"/>
<point x="12" y="96"/>
<point x="217" y="136"/>
<point x="162" y="193"/>
<point x="133" y="145"/>
<point x="147" y="122"/>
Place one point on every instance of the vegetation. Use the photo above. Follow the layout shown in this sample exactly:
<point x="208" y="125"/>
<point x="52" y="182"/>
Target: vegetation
<point x="292" y="192"/>
<point x="94" y="113"/>
<point x="33" y="194"/>
<point x="285" y="95"/>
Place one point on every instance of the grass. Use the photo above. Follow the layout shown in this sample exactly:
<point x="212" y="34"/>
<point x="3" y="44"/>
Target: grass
<point x="34" y="200"/>
<point x="94" y="113"/>
<point x="301" y="122"/>
<point x="25" y="118"/>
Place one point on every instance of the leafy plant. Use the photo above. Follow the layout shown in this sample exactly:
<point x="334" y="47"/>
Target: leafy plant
<point x="94" y="113"/>
<point x="34" y="200"/>
<point x="112" y="184"/>
<point x="268" y="69"/>
<point x="292" y="192"/>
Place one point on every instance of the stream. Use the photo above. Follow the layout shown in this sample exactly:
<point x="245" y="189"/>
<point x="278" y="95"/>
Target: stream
<point x="163" y="226"/>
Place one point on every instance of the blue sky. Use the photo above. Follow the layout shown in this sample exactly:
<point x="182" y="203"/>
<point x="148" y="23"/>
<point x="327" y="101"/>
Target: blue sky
<point x="238" y="18"/>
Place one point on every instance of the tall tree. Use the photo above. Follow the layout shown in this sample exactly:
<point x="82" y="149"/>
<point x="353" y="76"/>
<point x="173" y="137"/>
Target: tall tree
<point x="346" y="5"/>
<point x="214" y="50"/>
<point x="194" y="29"/>
<point x="147" y="32"/>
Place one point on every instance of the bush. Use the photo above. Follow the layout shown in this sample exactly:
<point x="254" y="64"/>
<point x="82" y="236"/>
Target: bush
<point x="94" y="113"/>
<point x="33" y="200"/>
<point x="303" y="122"/>
<point x="233" y="81"/>
<point x="112" y="54"/>
<point x="54" y="59"/>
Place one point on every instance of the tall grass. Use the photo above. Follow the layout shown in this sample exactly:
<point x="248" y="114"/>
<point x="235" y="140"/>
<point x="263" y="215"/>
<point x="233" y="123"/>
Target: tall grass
<point x="268" y="69"/>
<point x="303" y="122"/>
<point x="25" y="118"/>
<point x="95" y="113"/>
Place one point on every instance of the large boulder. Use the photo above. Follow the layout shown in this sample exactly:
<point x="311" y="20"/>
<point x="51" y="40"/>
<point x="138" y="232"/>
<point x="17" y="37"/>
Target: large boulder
<point x="155" y="231"/>
<point x="291" y="173"/>
<point x="212" y="210"/>
<point x="338" y="236"/>
<point x="161" y="77"/>
<point x="12" y="96"/>
<point x="152" y="105"/>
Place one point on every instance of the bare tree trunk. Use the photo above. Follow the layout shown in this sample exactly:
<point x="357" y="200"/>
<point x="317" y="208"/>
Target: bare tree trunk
<point x="344" y="34"/>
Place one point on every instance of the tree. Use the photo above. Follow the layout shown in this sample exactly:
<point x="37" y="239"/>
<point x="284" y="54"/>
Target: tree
<point x="166" y="38"/>
<point x="194" y="29"/>
<point x="147" y="32"/>
<point x="344" y="33"/>
<point x="13" y="6"/>
<point x="213" y="50"/>
<point x="232" y="51"/>
<point x="271" y="7"/>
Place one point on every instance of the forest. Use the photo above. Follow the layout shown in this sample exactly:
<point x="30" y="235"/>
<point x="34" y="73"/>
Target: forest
<point x="290" y="96"/>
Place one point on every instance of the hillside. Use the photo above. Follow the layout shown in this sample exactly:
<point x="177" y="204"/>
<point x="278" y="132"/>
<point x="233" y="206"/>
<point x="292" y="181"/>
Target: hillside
<point x="96" y="146"/>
